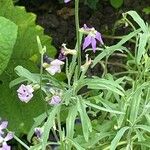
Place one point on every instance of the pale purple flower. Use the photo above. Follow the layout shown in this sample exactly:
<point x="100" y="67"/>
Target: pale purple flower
<point x="3" y="141"/>
<point x="92" y="38"/>
<point x="55" y="67"/>
<point x="38" y="132"/>
<point x="66" y="1"/>
<point x="3" y="126"/>
<point x="25" y="93"/>
<point x="55" y="100"/>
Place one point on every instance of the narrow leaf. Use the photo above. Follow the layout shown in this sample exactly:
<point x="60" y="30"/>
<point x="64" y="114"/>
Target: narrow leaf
<point x="103" y="109"/>
<point x="48" y="125"/>
<point x="117" y="138"/>
<point x="86" y="124"/>
<point x="138" y="20"/>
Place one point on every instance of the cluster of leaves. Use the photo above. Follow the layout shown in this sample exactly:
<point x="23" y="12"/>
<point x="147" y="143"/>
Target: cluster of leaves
<point x="18" y="46"/>
<point x="112" y="112"/>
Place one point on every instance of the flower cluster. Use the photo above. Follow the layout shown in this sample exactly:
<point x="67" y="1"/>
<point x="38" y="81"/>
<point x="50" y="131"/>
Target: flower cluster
<point x="53" y="66"/>
<point x="25" y="93"/>
<point x="55" y="100"/>
<point x="92" y="37"/>
<point x="4" y="137"/>
<point x="38" y="132"/>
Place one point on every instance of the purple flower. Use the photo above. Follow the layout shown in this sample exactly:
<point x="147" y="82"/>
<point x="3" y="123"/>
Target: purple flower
<point x="55" y="100"/>
<point x="92" y="38"/>
<point x="25" y="93"/>
<point x="66" y="51"/>
<point x="54" y="67"/>
<point x="38" y="132"/>
<point x="66" y="1"/>
<point x="3" y="126"/>
<point x="3" y="141"/>
<point x="62" y="56"/>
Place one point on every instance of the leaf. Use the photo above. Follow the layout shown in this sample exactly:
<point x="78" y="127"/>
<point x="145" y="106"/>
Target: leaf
<point x="142" y="44"/>
<point x="92" y="3"/>
<point x="8" y="35"/>
<point x="19" y="114"/>
<point x="143" y="127"/>
<point x="86" y="124"/>
<point x="22" y="72"/>
<point x="76" y="145"/>
<point x="99" y="83"/>
<point x="109" y="50"/>
<point x="136" y="100"/>
<point x="103" y="109"/>
<point x="17" y="81"/>
<point x="117" y="138"/>
<point x="37" y="122"/>
<point x="67" y="96"/>
<point x="138" y="20"/>
<point x="48" y="125"/>
<point x="116" y="3"/>
<point x="70" y="122"/>
<point x="93" y="140"/>
<point x="143" y="143"/>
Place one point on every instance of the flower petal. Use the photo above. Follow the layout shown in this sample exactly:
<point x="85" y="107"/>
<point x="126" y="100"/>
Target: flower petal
<point x="94" y="44"/>
<point x="5" y="146"/>
<point x="99" y="37"/>
<point x="3" y="125"/>
<point x="53" y="69"/>
<point x="87" y="42"/>
<point x="55" y="100"/>
<point x="25" y="93"/>
<point x="66" y="1"/>
<point x="57" y="62"/>
<point x="9" y="136"/>
<point x="38" y="132"/>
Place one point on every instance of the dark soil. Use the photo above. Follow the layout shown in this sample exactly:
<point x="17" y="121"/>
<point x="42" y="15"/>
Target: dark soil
<point x="58" y="19"/>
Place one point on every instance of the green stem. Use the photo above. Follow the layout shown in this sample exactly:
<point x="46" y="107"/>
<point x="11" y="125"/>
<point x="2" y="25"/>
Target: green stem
<point x="59" y="126"/>
<point x="22" y="143"/>
<point x="78" y="34"/>
<point x="41" y="72"/>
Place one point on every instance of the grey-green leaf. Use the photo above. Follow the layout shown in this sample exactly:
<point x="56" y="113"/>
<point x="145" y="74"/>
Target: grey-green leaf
<point x="48" y="125"/>
<point x="118" y="137"/>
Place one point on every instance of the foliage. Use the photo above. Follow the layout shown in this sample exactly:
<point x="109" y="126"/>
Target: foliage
<point x="116" y="3"/>
<point x="110" y="111"/>
<point x="25" y="53"/>
<point x="107" y="112"/>
<point x="8" y="38"/>
<point x="146" y="10"/>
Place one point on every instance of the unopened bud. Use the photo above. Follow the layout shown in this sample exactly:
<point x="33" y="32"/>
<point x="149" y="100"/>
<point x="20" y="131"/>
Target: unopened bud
<point x="87" y="63"/>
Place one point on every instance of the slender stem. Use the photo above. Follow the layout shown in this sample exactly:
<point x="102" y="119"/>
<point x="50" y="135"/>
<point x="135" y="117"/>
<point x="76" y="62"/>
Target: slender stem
<point x="22" y="143"/>
<point x="41" y="72"/>
<point x="105" y="68"/>
<point x="55" y="135"/>
<point x="78" y="34"/>
<point x="59" y="126"/>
